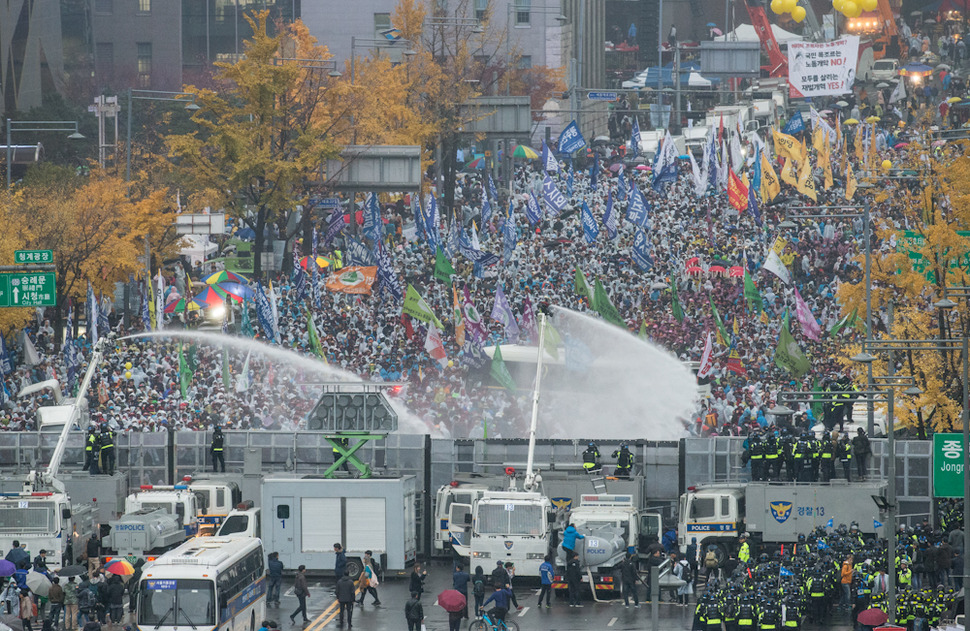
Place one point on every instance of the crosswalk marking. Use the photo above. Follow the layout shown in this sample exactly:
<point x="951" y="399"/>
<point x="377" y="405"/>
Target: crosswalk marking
<point x="611" y="622"/>
<point x="524" y="610"/>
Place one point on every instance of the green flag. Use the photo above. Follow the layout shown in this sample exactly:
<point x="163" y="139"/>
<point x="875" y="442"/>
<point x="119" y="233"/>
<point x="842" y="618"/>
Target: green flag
<point x="788" y="356"/>
<point x="190" y="358"/>
<point x="580" y="284"/>
<point x="499" y="372"/>
<point x="849" y="320"/>
<point x="751" y="294"/>
<point x="315" y="345"/>
<point x="719" y="323"/>
<point x="226" y="378"/>
<point x="443" y="269"/>
<point x="244" y="324"/>
<point x="552" y="340"/>
<point x="416" y="307"/>
<point x="643" y="330"/>
<point x="185" y="375"/>
<point x="675" y="308"/>
<point x="603" y="306"/>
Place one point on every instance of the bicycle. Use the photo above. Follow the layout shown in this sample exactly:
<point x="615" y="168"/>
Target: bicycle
<point x="485" y="624"/>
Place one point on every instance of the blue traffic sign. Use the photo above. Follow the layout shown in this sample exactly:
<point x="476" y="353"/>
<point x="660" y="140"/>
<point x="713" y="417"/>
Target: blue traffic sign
<point x="328" y="203"/>
<point x="603" y="96"/>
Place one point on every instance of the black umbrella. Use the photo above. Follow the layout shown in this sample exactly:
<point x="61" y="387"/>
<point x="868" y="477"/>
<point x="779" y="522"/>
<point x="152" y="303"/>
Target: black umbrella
<point x="72" y="570"/>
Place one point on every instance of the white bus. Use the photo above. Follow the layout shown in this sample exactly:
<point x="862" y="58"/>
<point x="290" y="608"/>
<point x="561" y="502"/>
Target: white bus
<point x="205" y="584"/>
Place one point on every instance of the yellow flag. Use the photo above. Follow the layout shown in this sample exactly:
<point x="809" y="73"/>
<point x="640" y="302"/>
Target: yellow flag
<point x="859" y="154"/>
<point x="825" y="161"/>
<point x="764" y="317"/>
<point x="787" y="146"/>
<point x="735" y="327"/>
<point x="788" y="174"/>
<point x="779" y="245"/>
<point x="720" y="338"/>
<point x="818" y="139"/>
<point x="850" y="184"/>
<point x="770" y="186"/>
<point x="806" y="183"/>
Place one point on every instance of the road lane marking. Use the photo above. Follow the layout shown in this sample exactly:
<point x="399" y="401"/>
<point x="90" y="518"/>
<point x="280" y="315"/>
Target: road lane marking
<point x="524" y="610"/>
<point x="328" y="615"/>
<point x="611" y="622"/>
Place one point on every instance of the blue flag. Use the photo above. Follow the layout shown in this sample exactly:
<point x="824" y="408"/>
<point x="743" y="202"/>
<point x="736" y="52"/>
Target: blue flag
<point x="356" y="253"/>
<point x="830" y="523"/>
<point x="641" y="255"/>
<point x="637" y="210"/>
<point x="756" y="173"/>
<point x="264" y="313"/>
<point x="146" y="318"/>
<point x="486" y="209"/>
<point x="6" y="365"/>
<point x="472" y="353"/>
<point x="795" y="124"/>
<point x="549" y="162"/>
<point x="590" y="230"/>
<point x="389" y="282"/>
<point x="335" y="224"/>
<point x="491" y="188"/>
<point x="753" y="206"/>
<point x="432" y="221"/>
<point x="570" y="139"/>
<point x="532" y="210"/>
<point x="373" y="228"/>
<point x="508" y="235"/>
<point x="876" y="523"/>
<point x="94" y="322"/>
<point x="70" y="350"/>
<point x="609" y="217"/>
<point x="454" y="233"/>
<point x="785" y="572"/>
<point x="315" y="270"/>
<point x="555" y="200"/>
<point x="620" y="188"/>
<point x="569" y="182"/>
<point x="419" y="220"/>
<point x="467" y="249"/>
<point x="635" y="138"/>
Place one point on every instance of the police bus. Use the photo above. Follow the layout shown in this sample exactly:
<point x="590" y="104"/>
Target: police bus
<point x="206" y="583"/>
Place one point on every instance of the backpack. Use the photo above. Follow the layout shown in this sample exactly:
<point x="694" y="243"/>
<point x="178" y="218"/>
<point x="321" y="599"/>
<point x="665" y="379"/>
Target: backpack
<point x="686" y="572"/>
<point x="85" y="599"/>
<point x="710" y="560"/>
<point x="479" y="589"/>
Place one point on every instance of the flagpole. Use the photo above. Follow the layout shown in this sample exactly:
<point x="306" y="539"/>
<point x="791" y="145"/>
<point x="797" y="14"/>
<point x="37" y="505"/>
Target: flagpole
<point x="529" y="484"/>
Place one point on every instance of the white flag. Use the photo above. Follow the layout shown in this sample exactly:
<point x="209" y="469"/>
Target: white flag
<point x="31" y="358"/>
<point x="899" y="92"/>
<point x="242" y="381"/>
<point x="700" y="181"/>
<point x="707" y="359"/>
<point x="435" y="347"/>
<point x="774" y="265"/>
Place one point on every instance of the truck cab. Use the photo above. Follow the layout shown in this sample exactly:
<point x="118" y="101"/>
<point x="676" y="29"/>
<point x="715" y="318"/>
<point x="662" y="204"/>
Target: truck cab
<point x="46" y="521"/>
<point x="712" y="514"/>
<point x="178" y="501"/>
<point x="219" y="497"/>
<point x="242" y="521"/>
<point x="453" y="502"/>
<point x="512" y="526"/>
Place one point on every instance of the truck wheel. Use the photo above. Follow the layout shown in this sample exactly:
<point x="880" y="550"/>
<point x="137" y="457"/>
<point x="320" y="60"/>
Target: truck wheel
<point x="354" y="567"/>
<point x="722" y="554"/>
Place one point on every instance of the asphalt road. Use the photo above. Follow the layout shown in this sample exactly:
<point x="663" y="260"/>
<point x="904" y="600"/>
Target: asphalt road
<point x="609" y="616"/>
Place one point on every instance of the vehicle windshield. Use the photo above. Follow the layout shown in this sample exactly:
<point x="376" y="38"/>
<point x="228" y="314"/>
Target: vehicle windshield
<point x="702" y="507"/>
<point x="884" y="65"/>
<point x="234" y="524"/>
<point x="176" y="602"/>
<point x="37" y="517"/>
<point x="510" y="519"/>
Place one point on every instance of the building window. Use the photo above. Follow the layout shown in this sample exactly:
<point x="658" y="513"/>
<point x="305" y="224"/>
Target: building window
<point x="382" y="22"/>
<point x="481" y="8"/>
<point x="522" y="12"/>
<point x="145" y="65"/>
<point x="105" y="62"/>
<point x="144" y="6"/>
<point x="104" y="6"/>
<point x="525" y="62"/>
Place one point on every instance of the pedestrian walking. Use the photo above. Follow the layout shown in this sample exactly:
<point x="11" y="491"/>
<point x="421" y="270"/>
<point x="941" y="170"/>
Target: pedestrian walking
<point x="71" y="621"/>
<point x="274" y="568"/>
<point x="459" y="582"/>
<point x="301" y="591"/>
<point x="345" y="592"/>
<point x="55" y="596"/>
<point x="478" y="587"/>
<point x="418" y="575"/>
<point x="27" y="607"/>
<point x="339" y="563"/>
<point x="93" y="552"/>
<point x="414" y="613"/>
<point x="369" y="580"/>
<point x="545" y="577"/>
<point x="630" y="575"/>
<point x="116" y="600"/>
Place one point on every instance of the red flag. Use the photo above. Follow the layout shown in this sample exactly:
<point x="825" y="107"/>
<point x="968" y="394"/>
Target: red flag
<point x="737" y="192"/>
<point x="707" y="362"/>
<point x="734" y="363"/>
<point x="434" y="346"/>
<point x="408" y="329"/>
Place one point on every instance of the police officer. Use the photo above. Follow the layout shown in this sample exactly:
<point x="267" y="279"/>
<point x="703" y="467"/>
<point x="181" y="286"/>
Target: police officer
<point x="217" y="449"/>
<point x="827" y="454"/>
<point x="107" y="442"/>
<point x="591" y="459"/>
<point x="757" y="455"/>
<point x="624" y="462"/>
<point x="803" y="458"/>
<point x="845" y="456"/>
<point x="90" y="441"/>
<point x="772" y="450"/>
<point x="744" y="552"/>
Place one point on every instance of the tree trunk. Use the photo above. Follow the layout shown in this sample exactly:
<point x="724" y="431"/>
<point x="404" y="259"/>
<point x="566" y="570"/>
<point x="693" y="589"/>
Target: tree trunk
<point x="259" y="243"/>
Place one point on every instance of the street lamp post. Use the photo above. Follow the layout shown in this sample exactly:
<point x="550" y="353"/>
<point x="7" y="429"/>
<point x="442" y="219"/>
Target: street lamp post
<point x="36" y="126"/>
<point x="867" y="237"/>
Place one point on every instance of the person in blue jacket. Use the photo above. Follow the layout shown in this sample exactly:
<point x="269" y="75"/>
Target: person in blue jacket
<point x="500" y="597"/>
<point x="569" y="537"/>
<point x="545" y="575"/>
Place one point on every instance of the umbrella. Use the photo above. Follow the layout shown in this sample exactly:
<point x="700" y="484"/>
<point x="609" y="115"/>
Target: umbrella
<point x="38" y="583"/>
<point x="236" y="290"/>
<point x="841" y="104"/>
<point x="616" y="167"/>
<point x="872" y="617"/>
<point x="72" y="570"/>
<point x="882" y="84"/>
<point x="916" y="13"/>
<point x="525" y="152"/>
<point x="915" y="69"/>
<point x="929" y="21"/>
<point x="180" y="305"/>
<point x="737" y="271"/>
<point x="120" y="567"/>
<point x="224" y="275"/>
<point x="873" y="119"/>
<point x="477" y="163"/>
<point x="694" y="260"/>
<point x="716" y="269"/>
<point x="7" y="568"/>
<point x="717" y="31"/>
<point x="658" y="286"/>
<point x="321" y="262"/>
<point x="642" y="167"/>
<point x="711" y="25"/>
<point x="901" y="145"/>
<point x="953" y="99"/>
<point x="602" y="139"/>
<point x="851" y="121"/>
<point x="942" y="67"/>
<point x="694" y="270"/>
<point x="211" y="296"/>
<point x="452" y="600"/>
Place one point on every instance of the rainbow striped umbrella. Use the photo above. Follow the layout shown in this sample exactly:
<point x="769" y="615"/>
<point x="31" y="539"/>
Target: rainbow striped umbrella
<point x="212" y="296"/>
<point x="180" y="305"/>
<point x="223" y="276"/>
<point x="525" y="152"/>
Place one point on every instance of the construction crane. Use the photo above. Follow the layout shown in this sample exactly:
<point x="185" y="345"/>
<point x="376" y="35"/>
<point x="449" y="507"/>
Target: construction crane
<point x="777" y="61"/>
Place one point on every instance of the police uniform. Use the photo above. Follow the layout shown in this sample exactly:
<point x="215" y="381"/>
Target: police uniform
<point x="218" y="450"/>
<point x="107" y="443"/>
<point x="624" y="462"/>
<point x="591" y="459"/>
<point x="91" y="451"/>
<point x="845" y="456"/>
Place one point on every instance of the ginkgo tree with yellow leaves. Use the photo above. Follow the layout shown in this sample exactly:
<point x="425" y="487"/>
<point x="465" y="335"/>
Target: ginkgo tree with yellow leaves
<point x="910" y="268"/>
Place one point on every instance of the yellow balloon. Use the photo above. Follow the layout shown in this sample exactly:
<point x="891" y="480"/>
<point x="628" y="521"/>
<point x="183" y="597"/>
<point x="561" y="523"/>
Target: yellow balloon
<point x="798" y="14"/>
<point x="777" y="6"/>
<point x="127" y="365"/>
<point x="858" y="11"/>
<point x="869" y="5"/>
<point x="838" y="5"/>
<point x="848" y="8"/>
<point x="128" y="374"/>
<point x="789" y="5"/>
<point x="886" y="165"/>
